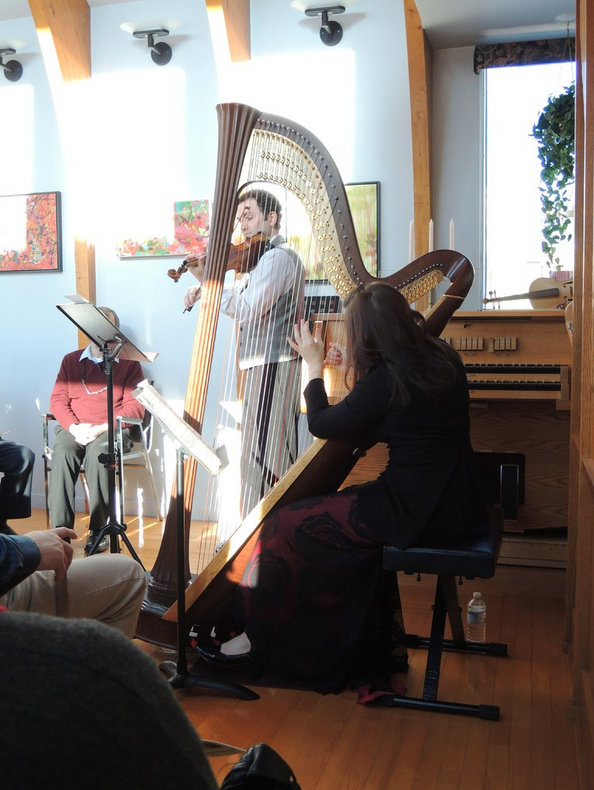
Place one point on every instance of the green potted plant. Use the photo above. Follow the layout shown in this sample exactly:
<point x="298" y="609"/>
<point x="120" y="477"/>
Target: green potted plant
<point x="555" y="133"/>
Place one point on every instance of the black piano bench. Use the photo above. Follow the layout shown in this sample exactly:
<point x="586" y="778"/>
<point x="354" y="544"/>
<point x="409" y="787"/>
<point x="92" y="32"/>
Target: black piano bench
<point x="474" y="557"/>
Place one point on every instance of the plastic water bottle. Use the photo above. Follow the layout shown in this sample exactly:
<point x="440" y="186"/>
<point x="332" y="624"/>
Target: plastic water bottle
<point x="476" y="619"/>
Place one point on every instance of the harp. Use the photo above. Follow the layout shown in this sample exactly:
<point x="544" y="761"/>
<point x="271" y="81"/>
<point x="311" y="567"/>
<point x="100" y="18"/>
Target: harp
<point x="257" y="148"/>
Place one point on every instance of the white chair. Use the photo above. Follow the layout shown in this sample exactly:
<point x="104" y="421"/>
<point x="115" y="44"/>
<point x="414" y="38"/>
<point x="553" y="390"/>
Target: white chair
<point x="141" y="433"/>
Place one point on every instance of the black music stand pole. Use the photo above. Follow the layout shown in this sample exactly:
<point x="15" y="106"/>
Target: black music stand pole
<point x="178" y="674"/>
<point x="113" y="528"/>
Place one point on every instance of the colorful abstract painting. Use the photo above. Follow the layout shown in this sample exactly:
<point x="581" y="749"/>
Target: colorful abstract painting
<point x="30" y="233"/>
<point x="364" y="202"/>
<point x="190" y="233"/>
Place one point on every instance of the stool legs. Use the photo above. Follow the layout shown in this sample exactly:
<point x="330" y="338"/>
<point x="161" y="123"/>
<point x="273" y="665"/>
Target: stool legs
<point x="445" y="605"/>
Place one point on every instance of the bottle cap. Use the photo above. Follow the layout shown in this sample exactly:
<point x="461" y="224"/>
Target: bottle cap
<point x="476" y="595"/>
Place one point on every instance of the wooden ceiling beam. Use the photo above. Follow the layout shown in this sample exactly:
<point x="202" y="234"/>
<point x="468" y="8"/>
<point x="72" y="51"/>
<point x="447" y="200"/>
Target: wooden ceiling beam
<point x="419" y="75"/>
<point x="69" y="25"/>
<point x="236" y="17"/>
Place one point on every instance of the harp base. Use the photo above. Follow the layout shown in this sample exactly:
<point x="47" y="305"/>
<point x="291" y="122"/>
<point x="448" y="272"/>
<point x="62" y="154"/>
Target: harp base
<point x="177" y="672"/>
<point x="184" y="680"/>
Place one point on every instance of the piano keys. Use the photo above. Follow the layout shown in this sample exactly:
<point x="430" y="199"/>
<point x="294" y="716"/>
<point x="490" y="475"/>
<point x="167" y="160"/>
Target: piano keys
<point x="514" y="354"/>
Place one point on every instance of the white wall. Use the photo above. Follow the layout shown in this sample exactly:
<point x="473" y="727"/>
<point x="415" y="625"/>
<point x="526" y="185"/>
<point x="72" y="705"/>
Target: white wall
<point x="150" y="138"/>
<point x="457" y="157"/>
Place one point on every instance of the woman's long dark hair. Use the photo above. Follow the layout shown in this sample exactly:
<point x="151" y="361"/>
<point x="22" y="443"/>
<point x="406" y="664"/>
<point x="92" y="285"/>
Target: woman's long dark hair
<point x="383" y="330"/>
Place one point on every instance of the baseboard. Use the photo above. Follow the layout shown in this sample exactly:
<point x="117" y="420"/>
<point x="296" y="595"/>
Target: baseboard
<point x="536" y="550"/>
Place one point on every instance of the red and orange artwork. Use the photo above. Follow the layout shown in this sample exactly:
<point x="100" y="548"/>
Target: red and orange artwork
<point x="30" y="233"/>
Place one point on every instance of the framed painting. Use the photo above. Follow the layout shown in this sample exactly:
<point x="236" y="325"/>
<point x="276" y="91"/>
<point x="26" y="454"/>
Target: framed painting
<point x="30" y="233"/>
<point x="364" y="202"/>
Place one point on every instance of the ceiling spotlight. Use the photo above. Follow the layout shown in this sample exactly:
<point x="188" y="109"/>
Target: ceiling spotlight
<point x="565" y="19"/>
<point x="13" y="70"/>
<point x="161" y="52"/>
<point x="330" y="32"/>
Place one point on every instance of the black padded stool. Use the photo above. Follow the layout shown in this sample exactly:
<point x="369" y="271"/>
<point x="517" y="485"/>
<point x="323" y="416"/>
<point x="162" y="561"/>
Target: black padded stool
<point x="474" y="557"/>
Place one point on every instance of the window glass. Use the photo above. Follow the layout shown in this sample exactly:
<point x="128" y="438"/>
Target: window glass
<point x="514" y="99"/>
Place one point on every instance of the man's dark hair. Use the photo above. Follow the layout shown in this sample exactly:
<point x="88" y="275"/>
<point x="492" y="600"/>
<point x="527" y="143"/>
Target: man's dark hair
<point x="265" y="200"/>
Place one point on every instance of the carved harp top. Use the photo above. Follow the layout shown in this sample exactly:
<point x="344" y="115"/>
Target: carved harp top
<point x="255" y="147"/>
<point x="279" y="151"/>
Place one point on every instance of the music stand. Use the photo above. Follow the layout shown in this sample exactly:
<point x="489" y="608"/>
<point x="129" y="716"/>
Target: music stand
<point x="186" y="441"/>
<point x="101" y="331"/>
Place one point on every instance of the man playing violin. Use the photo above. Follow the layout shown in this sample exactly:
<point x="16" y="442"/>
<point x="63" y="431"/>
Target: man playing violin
<point x="265" y="304"/>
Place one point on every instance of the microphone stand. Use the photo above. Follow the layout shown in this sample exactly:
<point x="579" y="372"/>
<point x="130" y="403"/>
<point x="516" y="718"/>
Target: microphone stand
<point x="113" y="528"/>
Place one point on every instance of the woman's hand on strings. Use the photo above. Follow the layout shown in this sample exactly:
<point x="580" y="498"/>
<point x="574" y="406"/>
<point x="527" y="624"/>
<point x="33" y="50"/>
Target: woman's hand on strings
<point x="310" y="347"/>
<point x="336" y="357"/>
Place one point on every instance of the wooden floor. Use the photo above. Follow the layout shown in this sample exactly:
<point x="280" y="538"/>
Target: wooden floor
<point x="333" y="743"/>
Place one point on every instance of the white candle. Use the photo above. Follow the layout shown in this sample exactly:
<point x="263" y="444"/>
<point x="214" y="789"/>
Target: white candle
<point x="451" y="234"/>
<point x="430" y="235"/>
<point x="411" y="241"/>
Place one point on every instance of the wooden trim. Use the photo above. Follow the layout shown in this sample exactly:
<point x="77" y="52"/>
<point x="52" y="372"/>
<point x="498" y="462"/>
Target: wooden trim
<point x="84" y="256"/>
<point x="580" y="582"/>
<point x="419" y="75"/>
<point x="419" y="71"/>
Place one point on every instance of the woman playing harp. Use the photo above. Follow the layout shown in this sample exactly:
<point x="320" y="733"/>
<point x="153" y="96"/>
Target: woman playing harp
<point x="307" y="608"/>
<point x="256" y="148"/>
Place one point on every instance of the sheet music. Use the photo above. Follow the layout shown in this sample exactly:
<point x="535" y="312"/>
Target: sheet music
<point x="178" y="428"/>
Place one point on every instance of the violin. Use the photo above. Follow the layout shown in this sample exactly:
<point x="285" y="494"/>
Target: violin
<point x="543" y="294"/>
<point x="242" y="257"/>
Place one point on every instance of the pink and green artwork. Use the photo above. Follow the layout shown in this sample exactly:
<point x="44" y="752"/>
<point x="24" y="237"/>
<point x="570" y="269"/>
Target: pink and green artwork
<point x="190" y="233"/>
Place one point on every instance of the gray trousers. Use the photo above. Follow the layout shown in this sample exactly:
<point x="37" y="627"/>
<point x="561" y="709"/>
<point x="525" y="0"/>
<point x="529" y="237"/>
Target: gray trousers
<point x="67" y="458"/>
<point x="109" y="588"/>
<point x="269" y="424"/>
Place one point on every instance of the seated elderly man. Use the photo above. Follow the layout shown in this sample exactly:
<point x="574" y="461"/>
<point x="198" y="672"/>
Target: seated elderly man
<point x="79" y="404"/>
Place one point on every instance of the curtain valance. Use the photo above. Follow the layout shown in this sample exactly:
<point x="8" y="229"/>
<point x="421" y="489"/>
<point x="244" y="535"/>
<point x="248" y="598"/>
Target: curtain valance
<point x="524" y="53"/>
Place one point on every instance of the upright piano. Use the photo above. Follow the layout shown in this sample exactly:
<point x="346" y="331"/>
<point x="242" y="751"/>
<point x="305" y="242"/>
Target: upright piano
<point x="518" y="364"/>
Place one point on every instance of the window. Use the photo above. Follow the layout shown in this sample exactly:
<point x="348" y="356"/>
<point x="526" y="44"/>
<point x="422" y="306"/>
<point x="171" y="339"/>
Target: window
<point x="514" y="99"/>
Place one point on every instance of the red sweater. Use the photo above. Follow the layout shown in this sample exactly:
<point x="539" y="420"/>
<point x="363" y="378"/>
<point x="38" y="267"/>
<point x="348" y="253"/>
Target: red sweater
<point x="71" y="403"/>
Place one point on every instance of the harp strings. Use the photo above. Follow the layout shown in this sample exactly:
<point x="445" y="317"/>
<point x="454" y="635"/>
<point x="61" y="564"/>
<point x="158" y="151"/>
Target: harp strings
<point x="271" y="446"/>
<point x="218" y="510"/>
<point x="223" y="508"/>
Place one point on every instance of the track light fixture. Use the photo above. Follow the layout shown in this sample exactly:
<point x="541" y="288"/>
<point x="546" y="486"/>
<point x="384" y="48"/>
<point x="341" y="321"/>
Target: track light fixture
<point x="161" y="52"/>
<point x="330" y="32"/>
<point x="13" y="70"/>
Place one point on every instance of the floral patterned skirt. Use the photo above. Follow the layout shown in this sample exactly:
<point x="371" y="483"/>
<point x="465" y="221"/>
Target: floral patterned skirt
<point x="318" y="608"/>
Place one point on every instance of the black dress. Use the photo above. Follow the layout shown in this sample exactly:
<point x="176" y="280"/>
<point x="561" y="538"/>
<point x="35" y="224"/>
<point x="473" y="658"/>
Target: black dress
<point x="310" y="598"/>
